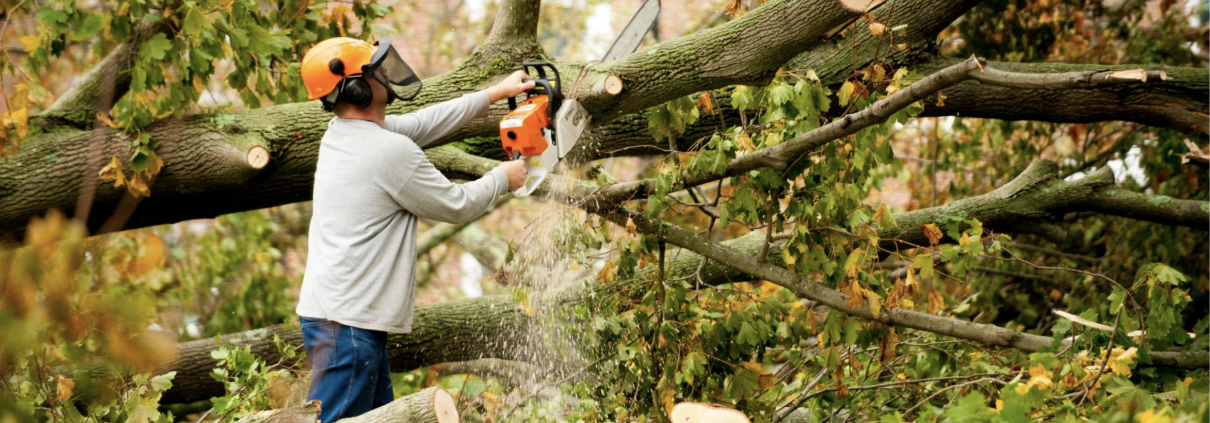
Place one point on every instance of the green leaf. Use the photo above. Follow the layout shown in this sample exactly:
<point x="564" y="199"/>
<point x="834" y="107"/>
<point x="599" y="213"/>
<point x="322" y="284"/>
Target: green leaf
<point x="748" y="335"/>
<point x="87" y="27"/>
<point x="156" y="48"/>
<point x="195" y="23"/>
<point x="741" y="98"/>
<point x="162" y="382"/>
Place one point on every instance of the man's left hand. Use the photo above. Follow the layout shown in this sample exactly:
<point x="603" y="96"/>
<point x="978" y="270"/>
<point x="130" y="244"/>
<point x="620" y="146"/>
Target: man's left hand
<point x="511" y="86"/>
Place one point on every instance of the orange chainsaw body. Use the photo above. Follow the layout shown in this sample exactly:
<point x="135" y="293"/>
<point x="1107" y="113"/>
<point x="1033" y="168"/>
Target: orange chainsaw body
<point x="521" y="129"/>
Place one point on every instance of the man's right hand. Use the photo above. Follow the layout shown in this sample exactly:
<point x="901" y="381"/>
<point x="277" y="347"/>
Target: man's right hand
<point x="515" y="169"/>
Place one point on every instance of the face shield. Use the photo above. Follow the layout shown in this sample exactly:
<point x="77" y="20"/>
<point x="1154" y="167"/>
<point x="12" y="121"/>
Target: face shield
<point x="389" y="69"/>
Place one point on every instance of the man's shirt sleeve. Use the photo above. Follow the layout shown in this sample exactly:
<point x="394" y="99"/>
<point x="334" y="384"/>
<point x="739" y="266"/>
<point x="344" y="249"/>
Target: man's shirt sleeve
<point x="430" y="123"/>
<point x="428" y="194"/>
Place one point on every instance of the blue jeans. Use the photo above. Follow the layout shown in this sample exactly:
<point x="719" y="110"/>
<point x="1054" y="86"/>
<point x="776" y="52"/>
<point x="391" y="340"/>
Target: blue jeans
<point x="349" y="371"/>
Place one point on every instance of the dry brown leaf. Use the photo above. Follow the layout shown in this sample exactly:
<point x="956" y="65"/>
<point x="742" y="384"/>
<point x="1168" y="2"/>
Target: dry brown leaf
<point x="877" y="29"/>
<point x="138" y="187"/>
<point x="63" y="392"/>
<point x="886" y="346"/>
<point x="933" y="233"/>
<point x="630" y="228"/>
<point x="940" y="99"/>
<point x="936" y="302"/>
<point x="766" y="381"/>
<point x="733" y="9"/>
<point x="706" y="103"/>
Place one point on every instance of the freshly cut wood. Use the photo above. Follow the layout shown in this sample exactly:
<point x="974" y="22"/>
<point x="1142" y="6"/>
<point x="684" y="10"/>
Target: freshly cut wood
<point x="613" y="84"/>
<point x="258" y="157"/>
<point x="861" y="6"/>
<point x="432" y="405"/>
<point x="694" y="412"/>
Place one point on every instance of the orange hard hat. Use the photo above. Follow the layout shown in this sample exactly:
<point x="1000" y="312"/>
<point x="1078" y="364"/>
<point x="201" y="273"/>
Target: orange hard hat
<point x="320" y="74"/>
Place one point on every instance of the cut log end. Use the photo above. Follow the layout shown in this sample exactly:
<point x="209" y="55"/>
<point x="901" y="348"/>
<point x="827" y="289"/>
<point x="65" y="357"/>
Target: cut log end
<point x="444" y="406"/>
<point x="613" y="84"/>
<point x="860" y="6"/>
<point x="257" y="157"/>
<point x="692" y="412"/>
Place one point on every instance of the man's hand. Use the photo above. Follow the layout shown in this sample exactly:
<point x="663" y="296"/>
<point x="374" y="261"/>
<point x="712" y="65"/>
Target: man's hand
<point x="511" y="86"/>
<point x="515" y="169"/>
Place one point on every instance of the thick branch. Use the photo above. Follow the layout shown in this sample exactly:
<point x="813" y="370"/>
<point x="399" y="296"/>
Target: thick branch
<point x="99" y="88"/>
<point x="1036" y="201"/>
<point x="1177" y="102"/>
<point x="782" y="155"/>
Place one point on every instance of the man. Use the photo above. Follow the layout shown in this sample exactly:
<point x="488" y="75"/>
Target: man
<point x="371" y="183"/>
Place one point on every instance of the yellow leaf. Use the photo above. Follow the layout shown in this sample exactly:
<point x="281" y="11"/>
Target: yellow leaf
<point x="875" y="302"/>
<point x="745" y="142"/>
<point x="901" y="46"/>
<point x="198" y="84"/>
<point x="789" y="258"/>
<point x="940" y="99"/>
<point x="630" y="228"/>
<point x="606" y="274"/>
<point x="104" y="118"/>
<point x="846" y="91"/>
<point x="30" y="42"/>
<point x="113" y="172"/>
<point x="933" y="233"/>
<point x="733" y="9"/>
<point x="151" y="257"/>
<point x="138" y="187"/>
<point x="851" y="269"/>
<point x="753" y="366"/>
<point x="63" y="392"/>
<point x="1150" y="416"/>
<point x="1120" y="360"/>
<point x="936" y="302"/>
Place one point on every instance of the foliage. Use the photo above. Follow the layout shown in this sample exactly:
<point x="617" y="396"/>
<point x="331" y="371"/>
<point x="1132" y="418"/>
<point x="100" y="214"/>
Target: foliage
<point x="69" y="300"/>
<point x="252" y="384"/>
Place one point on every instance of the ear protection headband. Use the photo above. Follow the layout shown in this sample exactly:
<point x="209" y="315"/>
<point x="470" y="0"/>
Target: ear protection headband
<point x="353" y="89"/>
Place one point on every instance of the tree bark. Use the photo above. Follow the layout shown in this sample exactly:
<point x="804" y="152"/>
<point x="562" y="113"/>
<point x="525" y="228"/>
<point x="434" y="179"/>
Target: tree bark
<point x="1180" y="102"/>
<point x="431" y="405"/>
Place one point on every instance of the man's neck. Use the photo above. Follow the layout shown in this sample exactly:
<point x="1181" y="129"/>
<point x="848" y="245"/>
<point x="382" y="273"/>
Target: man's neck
<point x="372" y="114"/>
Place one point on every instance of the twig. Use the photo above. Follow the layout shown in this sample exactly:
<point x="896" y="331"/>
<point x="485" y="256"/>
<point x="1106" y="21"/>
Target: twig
<point x="1108" y="352"/>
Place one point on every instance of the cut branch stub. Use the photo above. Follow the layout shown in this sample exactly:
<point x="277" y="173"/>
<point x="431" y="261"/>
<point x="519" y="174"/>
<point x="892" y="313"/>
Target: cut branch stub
<point x="613" y="84"/>
<point x="693" y="412"/>
<point x="257" y="157"/>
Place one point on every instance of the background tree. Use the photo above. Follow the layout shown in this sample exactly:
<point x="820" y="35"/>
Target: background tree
<point x="804" y="210"/>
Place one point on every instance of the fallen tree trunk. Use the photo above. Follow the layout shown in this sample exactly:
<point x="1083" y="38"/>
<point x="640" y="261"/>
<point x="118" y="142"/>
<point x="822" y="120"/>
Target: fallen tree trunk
<point x="431" y="405"/>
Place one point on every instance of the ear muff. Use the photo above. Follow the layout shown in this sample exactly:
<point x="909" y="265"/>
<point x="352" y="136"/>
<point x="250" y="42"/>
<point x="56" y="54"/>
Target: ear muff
<point x="356" y="91"/>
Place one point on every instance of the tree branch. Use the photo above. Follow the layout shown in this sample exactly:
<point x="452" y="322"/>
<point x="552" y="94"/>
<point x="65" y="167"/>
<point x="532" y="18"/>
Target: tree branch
<point x="99" y="88"/>
<point x="1177" y="101"/>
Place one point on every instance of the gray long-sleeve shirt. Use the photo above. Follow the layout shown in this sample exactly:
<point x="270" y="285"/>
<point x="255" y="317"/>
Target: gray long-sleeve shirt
<point x="370" y="185"/>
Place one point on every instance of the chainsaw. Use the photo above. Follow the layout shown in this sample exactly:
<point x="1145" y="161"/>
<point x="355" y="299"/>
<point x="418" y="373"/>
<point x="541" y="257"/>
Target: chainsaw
<point x="528" y="132"/>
